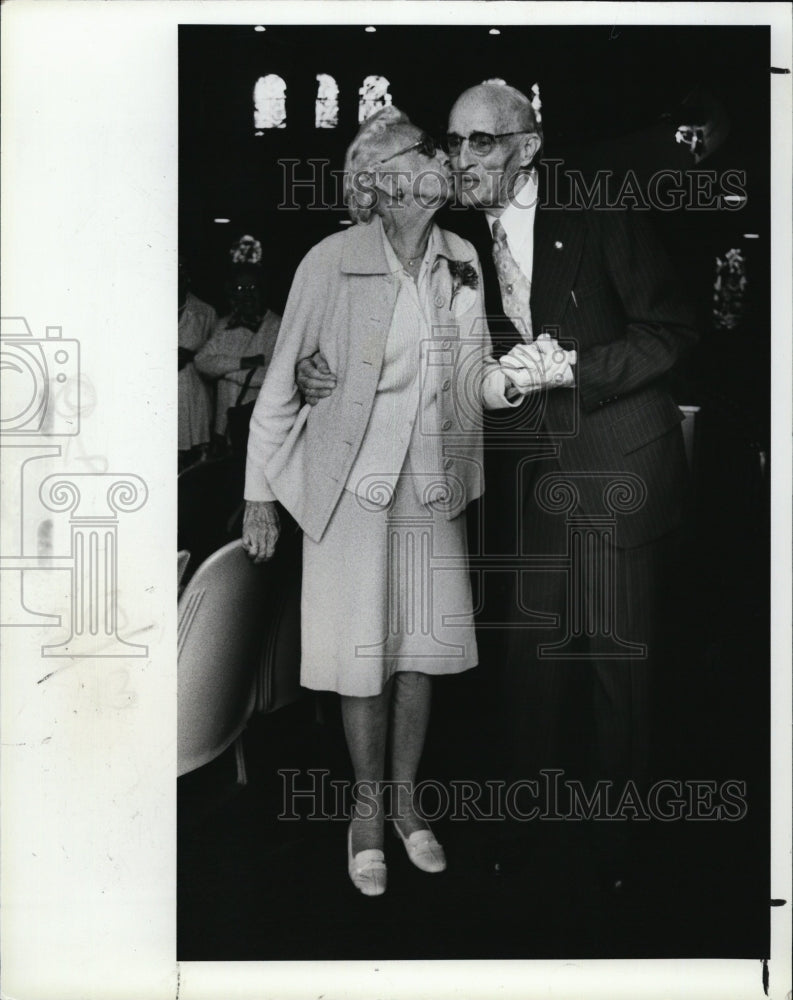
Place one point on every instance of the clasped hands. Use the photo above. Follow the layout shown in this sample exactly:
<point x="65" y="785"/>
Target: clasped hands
<point x="538" y="366"/>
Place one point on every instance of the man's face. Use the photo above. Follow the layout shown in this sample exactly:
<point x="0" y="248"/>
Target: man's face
<point x="245" y="291"/>
<point x="485" y="181"/>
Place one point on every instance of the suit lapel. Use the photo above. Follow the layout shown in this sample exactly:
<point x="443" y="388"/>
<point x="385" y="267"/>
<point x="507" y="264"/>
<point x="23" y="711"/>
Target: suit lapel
<point x="558" y="243"/>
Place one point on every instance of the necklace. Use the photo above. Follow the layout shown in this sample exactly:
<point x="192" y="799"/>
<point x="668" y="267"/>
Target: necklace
<point x="411" y="262"/>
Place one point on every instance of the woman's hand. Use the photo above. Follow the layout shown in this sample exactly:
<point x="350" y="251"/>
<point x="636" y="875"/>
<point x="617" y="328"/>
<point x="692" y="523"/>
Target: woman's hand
<point x="314" y="379"/>
<point x="261" y="527"/>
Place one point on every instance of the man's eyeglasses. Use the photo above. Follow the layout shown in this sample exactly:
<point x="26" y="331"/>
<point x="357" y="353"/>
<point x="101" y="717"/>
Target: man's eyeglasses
<point x="480" y="143"/>
<point x="245" y="288"/>
<point x="425" y="145"/>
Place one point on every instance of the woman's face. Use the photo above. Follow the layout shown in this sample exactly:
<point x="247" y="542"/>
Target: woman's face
<point x="412" y="172"/>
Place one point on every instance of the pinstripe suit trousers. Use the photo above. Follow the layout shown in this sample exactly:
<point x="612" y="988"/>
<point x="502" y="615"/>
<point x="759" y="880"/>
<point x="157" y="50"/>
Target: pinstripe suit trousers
<point x="536" y="690"/>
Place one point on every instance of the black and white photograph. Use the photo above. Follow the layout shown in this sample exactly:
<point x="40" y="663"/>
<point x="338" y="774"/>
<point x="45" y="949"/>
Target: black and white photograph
<point x="508" y="283"/>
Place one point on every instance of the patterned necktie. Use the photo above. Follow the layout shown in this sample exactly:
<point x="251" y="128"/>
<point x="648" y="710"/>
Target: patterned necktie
<point x="515" y="286"/>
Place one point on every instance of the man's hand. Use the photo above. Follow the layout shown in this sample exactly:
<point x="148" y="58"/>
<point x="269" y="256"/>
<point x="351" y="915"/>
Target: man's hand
<point x="261" y="527"/>
<point x="539" y="366"/>
<point x="314" y="379"/>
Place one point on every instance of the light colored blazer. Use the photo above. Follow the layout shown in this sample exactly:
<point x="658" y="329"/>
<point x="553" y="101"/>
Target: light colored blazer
<point x="341" y="302"/>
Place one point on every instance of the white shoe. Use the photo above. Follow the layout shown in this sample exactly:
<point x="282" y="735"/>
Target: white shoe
<point x="367" y="869"/>
<point x="423" y="850"/>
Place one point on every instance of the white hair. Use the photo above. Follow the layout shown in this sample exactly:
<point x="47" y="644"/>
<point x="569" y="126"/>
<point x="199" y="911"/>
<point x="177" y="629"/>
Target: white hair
<point x="362" y="152"/>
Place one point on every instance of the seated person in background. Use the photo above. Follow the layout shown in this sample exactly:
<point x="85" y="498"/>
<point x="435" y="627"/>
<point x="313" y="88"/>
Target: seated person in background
<point x="241" y="346"/>
<point x="196" y="322"/>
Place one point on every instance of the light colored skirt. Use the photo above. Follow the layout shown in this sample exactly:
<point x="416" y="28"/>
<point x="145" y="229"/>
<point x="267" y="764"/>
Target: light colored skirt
<point x="385" y="590"/>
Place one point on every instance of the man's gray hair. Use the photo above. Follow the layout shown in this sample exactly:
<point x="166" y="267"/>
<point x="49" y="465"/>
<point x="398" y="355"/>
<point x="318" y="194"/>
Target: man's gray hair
<point x="364" y="151"/>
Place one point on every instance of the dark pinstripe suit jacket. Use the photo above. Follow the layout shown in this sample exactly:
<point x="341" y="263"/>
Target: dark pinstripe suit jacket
<point x="603" y="284"/>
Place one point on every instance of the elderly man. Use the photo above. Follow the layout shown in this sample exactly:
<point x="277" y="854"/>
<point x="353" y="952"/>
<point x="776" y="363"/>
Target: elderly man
<point x="586" y="478"/>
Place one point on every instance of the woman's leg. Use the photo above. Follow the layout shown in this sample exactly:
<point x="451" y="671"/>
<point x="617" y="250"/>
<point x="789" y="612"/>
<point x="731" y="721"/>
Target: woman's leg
<point x="410" y="708"/>
<point x="365" y="724"/>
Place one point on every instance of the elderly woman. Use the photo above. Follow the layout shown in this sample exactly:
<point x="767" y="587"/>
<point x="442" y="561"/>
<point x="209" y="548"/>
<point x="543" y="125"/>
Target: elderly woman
<point x="378" y="474"/>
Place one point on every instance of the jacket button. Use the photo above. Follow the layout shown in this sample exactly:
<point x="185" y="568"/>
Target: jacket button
<point x="510" y="289"/>
<point x="446" y="425"/>
<point x="447" y="384"/>
<point x="438" y="301"/>
<point x="448" y="463"/>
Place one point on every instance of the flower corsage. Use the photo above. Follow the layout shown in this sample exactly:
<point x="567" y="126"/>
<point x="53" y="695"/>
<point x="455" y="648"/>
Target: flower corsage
<point x="465" y="281"/>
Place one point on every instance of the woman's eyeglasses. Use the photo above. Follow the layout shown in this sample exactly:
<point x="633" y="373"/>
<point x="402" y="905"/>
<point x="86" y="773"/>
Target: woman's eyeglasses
<point x="426" y="145"/>
<point x="480" y="143"/>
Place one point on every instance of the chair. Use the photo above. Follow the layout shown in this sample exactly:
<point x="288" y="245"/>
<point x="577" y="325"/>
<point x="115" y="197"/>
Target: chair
<point x="219" y="644"/>
<point x="209" y="508"/>
<point x="182" y="559"/>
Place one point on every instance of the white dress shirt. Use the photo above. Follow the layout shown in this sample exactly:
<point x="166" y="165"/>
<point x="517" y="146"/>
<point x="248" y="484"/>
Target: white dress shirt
<point x="518" y="222"/>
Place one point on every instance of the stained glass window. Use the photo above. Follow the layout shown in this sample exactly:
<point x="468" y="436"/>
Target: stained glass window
<point x="374" y="95"/>
<point x="269" y="102"/>
<point x="326" y="108"/>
